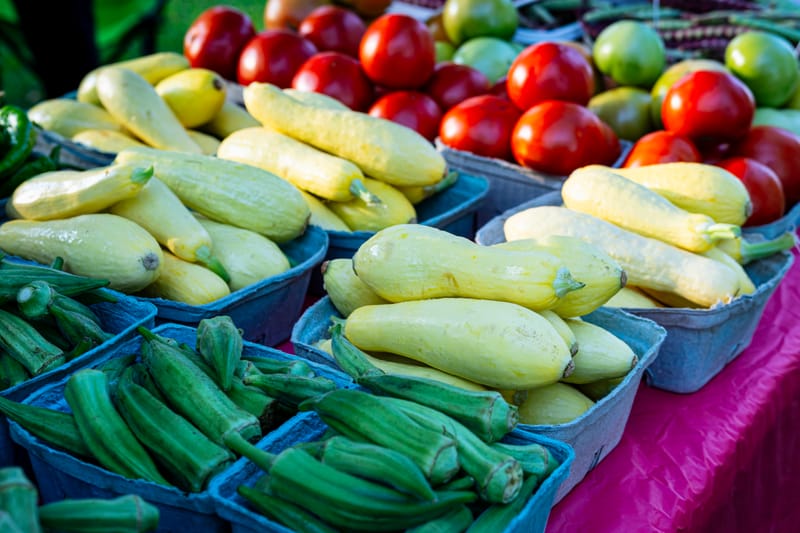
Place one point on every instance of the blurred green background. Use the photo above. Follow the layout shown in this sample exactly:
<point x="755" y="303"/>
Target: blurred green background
<point x="113" y="19"/>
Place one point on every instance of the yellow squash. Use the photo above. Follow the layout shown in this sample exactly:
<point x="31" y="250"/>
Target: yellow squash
<point x="346" y="291"/>
<point x="67" y="193"/>
<point x="185" y="282"/>
<point x="134" y="103"/>
<point x="601" y="275"/>
<point x="152" y="67"/>
<point x="648" y="263"/>
<point x="627" y="204"/>
<point x="230" y="192"/>
<point x="230" y="118"/>
<point x="601" y="354"/>
<point x="158" y="210"/>
<point x="391" y="208"/>
<point x="68" y="117"/>
<point x="100" y="245"/>
<point x="321" y="216"/>
<point x="248" y="257"/>
<point x="633" y="298"/>
<point x="394" y="364"/>
<point x="696" y="187"/>
<point x="415" y="262"/>
<point x="302" y="165"/>
<point x="498" y="344"/>
<point x="554" y="404"/>
<point x="106" y="140"/>
<point x="381" y="148"/>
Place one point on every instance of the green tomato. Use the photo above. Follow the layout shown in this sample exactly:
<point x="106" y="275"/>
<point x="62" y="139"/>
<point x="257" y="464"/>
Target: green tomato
<point x="444" y="50"/>
<point x="626" y="110"/>
<point x="788" y="119"/>
<point x="630" y="52"/>
<point x="490" y="55"/>
<point x="766" y="63"/>
<point x="794" y="101"/>
<point x="672" y="74"/>
<point x="466" y="19"/>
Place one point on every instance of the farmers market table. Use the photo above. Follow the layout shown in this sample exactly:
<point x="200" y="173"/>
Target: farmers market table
<point x="724" y="459"/>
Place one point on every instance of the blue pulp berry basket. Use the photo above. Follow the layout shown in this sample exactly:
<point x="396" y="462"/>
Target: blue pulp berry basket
<point x="594" y="434"/>
<point x="307" y="427"/>
<point x="700" y="342"/>
<point x="61" y="475"/>
<point x="265" y="310"/>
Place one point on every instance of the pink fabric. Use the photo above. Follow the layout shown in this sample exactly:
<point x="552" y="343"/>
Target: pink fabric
<point x="724" y="459"/>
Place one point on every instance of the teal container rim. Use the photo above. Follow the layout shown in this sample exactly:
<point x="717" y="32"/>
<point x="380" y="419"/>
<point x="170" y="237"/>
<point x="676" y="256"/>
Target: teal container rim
<point x="312" y="234"/>
<point x="471" y="180"/>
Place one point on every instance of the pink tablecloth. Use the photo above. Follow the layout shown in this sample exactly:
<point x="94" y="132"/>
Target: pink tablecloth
<point x="724" y="459"/>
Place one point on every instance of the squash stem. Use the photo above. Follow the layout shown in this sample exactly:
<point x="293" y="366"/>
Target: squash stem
<point x="263" y="459"/>
<point x="565" y="283"/>
<point x="203" y="255"/>
<point x="449" y="179"/>
<point x="723" y="231"/>
<point x="359" y="190"/>
<point x="751" y="251"/>
<point x="142" y="175"/>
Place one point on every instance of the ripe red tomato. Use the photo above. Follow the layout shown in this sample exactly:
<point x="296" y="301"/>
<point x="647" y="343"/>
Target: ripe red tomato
<point x="499" y="88"/>
<point x="481" y="125"/>
<point x="397" y="51"/>
<point x="216" y="38"/>
<point x="273" y="56"/>
<point x="779" y="149"/>
<point x="550" y="71"/>
<point x="338" y="75"/>
<point x="451" y="83"/>
<point x="763" y="185"/>
<point x="661" y="147"/>
<point x="412" y="109"/>
<point x="708" y="106"/>
<point x="557" y="137"/>
<point x="333" y="28"/>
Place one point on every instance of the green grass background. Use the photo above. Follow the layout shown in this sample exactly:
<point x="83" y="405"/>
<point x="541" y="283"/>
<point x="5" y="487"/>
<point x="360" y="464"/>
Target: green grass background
<point x="21" y="85"/>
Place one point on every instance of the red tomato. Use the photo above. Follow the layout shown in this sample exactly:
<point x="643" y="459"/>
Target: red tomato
<point x="273" y="56"/>
<point x="499" y="88"/>
<point x="333" y="28"/>
<point x="779" y="149"/>
<point x="451" y="83"/>
<point x="412" y="109"/>
<point x="550" y="71"/>
<point x="661" y="147"/>
<point x="763" y="185"/>
<point x="708" y="106"/>
<point x="557" y="137"/>
<point x="397" y="51"/>
<point x="481" y="125"/>
<point x="338" y="75"/>
<point x="216" y="38"/>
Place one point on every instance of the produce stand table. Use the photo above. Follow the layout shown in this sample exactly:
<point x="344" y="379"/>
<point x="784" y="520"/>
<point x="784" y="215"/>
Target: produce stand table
<point x="723" y="459"/>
